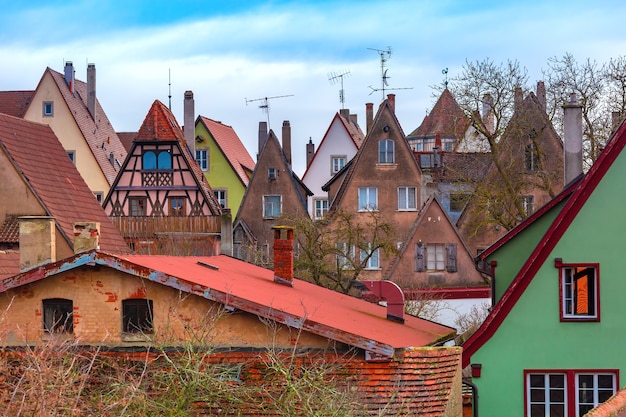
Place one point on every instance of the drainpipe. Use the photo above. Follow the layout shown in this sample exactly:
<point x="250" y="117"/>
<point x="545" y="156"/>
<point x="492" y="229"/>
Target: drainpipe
<point x="474" y="396"/>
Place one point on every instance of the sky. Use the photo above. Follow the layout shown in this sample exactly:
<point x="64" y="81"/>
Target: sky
<point x="235" y="54"/>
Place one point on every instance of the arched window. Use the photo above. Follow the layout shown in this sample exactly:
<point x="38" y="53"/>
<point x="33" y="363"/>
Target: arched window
<point x="149" y="160"/>
<point x="165" y="160"/>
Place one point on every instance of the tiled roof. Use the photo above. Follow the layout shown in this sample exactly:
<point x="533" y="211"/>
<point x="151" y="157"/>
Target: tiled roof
<point x="45" y="167"/>
<point x="15" y="103"/>
<point x="161" y="125"/>
<point x="99" y="134"/>
<point x="613" y="407"/>
<point x="446" y="119"/>
<point x="462" y="166"/>
<point x="353" y="129"/>
<point x="231" y="146"/>
<point x="10" y="230"/>
<point x="127" y="139"/>
<point x="9" y="263"/>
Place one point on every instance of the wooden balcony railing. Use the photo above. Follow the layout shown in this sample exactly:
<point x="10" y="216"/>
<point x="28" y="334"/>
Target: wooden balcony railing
<point x="147" y="227"/>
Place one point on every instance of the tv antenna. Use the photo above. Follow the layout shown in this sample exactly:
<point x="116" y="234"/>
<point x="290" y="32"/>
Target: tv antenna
<point x="385" y="55"/>
<point x="266" y="105"/>
<point x="445" y="73"/>
<point x="335" y="77"/>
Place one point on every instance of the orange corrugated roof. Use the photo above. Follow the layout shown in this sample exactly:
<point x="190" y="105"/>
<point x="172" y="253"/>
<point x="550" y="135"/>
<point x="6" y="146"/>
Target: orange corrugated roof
<point x="232" y="148"/>
<point x="46" y="168"/>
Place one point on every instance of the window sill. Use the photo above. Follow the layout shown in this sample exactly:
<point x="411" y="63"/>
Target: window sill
<point x="47" y="336"/>
<point x="137" y="337"/>
<point x="408" y="209"/>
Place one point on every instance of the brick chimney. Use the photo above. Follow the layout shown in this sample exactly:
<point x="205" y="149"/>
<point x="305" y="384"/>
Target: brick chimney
<point x="262" y="137"/>
<point x="189" y="121"/>
<point x="69" y="75"/>
<point x="518" y="98"/>
<point x="391" y="99"/>
<point x="345" y="113"/>
<point x="287" y="140"/>
<point x="369" y="116"/>
<point x="354" y="119"/>
<point x="572" y="139"/>
<point x="310" y="151"/>
<point x="487" y="115"/>
<point x="37" y="241"/>
<point x="283" y="255"/>
<point x="541" y="94"/>
<point x="91" y="90"/>
<point x="86" y="236"/>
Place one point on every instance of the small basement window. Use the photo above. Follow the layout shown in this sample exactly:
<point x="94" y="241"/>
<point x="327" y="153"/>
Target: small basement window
<point x="137" y="316"/>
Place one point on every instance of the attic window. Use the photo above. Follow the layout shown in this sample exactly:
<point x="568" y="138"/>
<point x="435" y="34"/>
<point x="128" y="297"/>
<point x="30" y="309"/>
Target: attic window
<point x="48" y="109"/>
<point x="271" y="173"/>
<point x="579" y="293"/>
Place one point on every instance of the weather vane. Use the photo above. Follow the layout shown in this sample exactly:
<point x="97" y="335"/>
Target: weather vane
<point x="266" y="106"/>
<point x="385" y="55"/>
<point x="333" y="77"/>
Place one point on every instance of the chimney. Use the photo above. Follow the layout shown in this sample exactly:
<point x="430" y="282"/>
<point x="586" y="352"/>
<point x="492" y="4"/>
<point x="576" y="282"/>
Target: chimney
<point x="69" y="76"/>
<point x="86" y="236"/>
<point x="37" y="241"/>
<point x="91" y="90"/>
<point x="518" y="98"/>
<point x="353" y="119"/>
<point x="345" y="113"/>
<point x="487" y="116"/>
<point x="310" y="151"/>
<point x="287" y="140"/>
<point x="572" y="139"/>
<point x="262" y="137"/>
<point x="391" y="293"/>
<point x="391" y="99"/>
<point x="369" y="116"/>
<point x="541" y="94"/>
<point x="283" y="255"/>
<point x="189" y="121"/>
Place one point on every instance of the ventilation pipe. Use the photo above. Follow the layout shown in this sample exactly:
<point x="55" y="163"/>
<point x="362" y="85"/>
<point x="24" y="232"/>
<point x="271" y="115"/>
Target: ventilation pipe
<point x="391" y="293"/>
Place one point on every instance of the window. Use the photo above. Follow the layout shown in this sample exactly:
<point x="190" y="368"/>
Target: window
<point x="345" y="256"/>
<point x="72" y="156"/>
<point x="407" y="198"/>
<point x="373" y="260"/>
<point x="528" y="204"/>
<point x="532" y="162"/>
<point x="151" y="160"/>
<point x="385" y="151"/>
<point x="337" y="163"/>
<point x="137" y="316"/>
<point x="549" y="393"/>
<point x="458" y="202"/>
<point x="579" y="292"/>
<point x="177" y="206"/>
<point x="48" y="109"/>
<point x="435" y="257"/>
<point x="202" y="158"/>
<point x="99" y="196"/>
<point x="368" y="198"/>
<point x="271" y="173"/>
<point x="221" y="197"/>
<point x="272" y="205"/>
<point x="57" y="315"/>
<point x="321" y="208"/>
<point x="138" y="206"/>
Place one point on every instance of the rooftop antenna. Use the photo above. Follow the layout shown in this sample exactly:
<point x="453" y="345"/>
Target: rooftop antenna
<point x="266" y="106"/>
<point x="333" y="77"/>
<point x="445" y="73"/>
<point x="385" y="55"/>
<point x="170" y="86"/>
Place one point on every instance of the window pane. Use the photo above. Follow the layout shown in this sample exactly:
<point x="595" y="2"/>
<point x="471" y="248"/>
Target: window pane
<point x="165" y="160"/>
<point x="149" y="160"/>
<point x="557" y="410"/>
<point x="579" y="292"/>
<point x="537" y="410"/>
<point x="557" y="381"/>
<point x="605" y="381"/>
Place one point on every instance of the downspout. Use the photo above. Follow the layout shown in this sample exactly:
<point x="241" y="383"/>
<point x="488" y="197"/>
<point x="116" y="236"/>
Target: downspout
<point x="474" y="396"/>
<point x="490" y="270"/>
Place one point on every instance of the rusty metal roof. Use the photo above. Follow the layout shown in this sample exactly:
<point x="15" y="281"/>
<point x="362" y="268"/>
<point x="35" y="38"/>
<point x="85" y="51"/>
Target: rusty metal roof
<point x="251" y="288"/>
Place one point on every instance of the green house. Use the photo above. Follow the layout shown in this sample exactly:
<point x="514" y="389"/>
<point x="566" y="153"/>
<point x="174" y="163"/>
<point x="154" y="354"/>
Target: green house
<point x="553" y="342"/>
<point x="226" y="163"/>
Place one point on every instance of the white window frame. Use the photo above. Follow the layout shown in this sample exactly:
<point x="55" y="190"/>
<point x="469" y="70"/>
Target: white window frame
<point x="337" y="162"/>
<point x="404" y="198"/>
<point x="202" y="156"/>
<point x="221" y="196"/>
<point x="435" y="256"/>
<point x="569" y="290"/>
<point x="386" y="151"/>
<point x="270" y="203"/>
<point x="45" y="106"/>
<point x="373" y="262"/>
<point x="368" y="199"/>
<point x="320" y="208"/>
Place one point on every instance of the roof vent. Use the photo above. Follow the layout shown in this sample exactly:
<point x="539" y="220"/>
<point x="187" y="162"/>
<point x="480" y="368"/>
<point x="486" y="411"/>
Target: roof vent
<point x="392" y="294"/>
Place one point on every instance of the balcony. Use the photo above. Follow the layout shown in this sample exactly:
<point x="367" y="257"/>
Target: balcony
<point x="147" y="227"/>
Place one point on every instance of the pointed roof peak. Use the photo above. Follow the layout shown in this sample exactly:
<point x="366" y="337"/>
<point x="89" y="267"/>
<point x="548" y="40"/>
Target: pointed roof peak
<point x="446" y="118"/>
<point x="160" y="124"/>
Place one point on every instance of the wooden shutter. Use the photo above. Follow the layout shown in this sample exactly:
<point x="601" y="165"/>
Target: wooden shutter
<point x="419" y="257"/>
<point x="451" y="264"/>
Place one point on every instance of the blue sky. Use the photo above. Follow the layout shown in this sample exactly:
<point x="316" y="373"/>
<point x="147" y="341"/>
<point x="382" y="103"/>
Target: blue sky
<point x="228" y="53"/>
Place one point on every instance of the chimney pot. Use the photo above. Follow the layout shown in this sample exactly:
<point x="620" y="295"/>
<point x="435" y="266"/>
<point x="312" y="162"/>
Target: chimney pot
<point x="69" y="75"/>
<point x="391" y="99"/>
<point x="310" y="151"/>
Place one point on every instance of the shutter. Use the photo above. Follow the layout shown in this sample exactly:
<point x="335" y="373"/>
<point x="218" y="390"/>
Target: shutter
<point x="419" y="257"/>
<point x="451" y="265"/>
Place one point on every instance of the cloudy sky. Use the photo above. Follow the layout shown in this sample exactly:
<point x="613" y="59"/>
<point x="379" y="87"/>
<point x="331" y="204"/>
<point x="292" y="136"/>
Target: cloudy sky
<point x="233" y="54"/>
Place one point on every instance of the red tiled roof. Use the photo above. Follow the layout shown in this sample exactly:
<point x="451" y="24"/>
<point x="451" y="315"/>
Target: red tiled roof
<point x="10" y="230"/>
<point x="9" y="263"/>
<point x="613" y="407"/>
<point x="99" y="134"/>
<point x="231" y="146"/>
<point x="45" y="167"/>
<point x="446" y="118"/>
<point x="15" y="103"/>
<point x="127" y="139"/>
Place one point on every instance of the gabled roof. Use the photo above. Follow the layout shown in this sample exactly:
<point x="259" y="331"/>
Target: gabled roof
<point x="99" y="134"/>
<point x="44" y="166"/>
<point x="161" y="125"/>
<point x="127" y="139"/>
<point x="446" y="119"/>
<point x="580" y="193"/>
<point x="231" y="146"/>
<point x="15" y="103"/>
<point x="250" y="288"/>
<point x="352" y="129"/>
